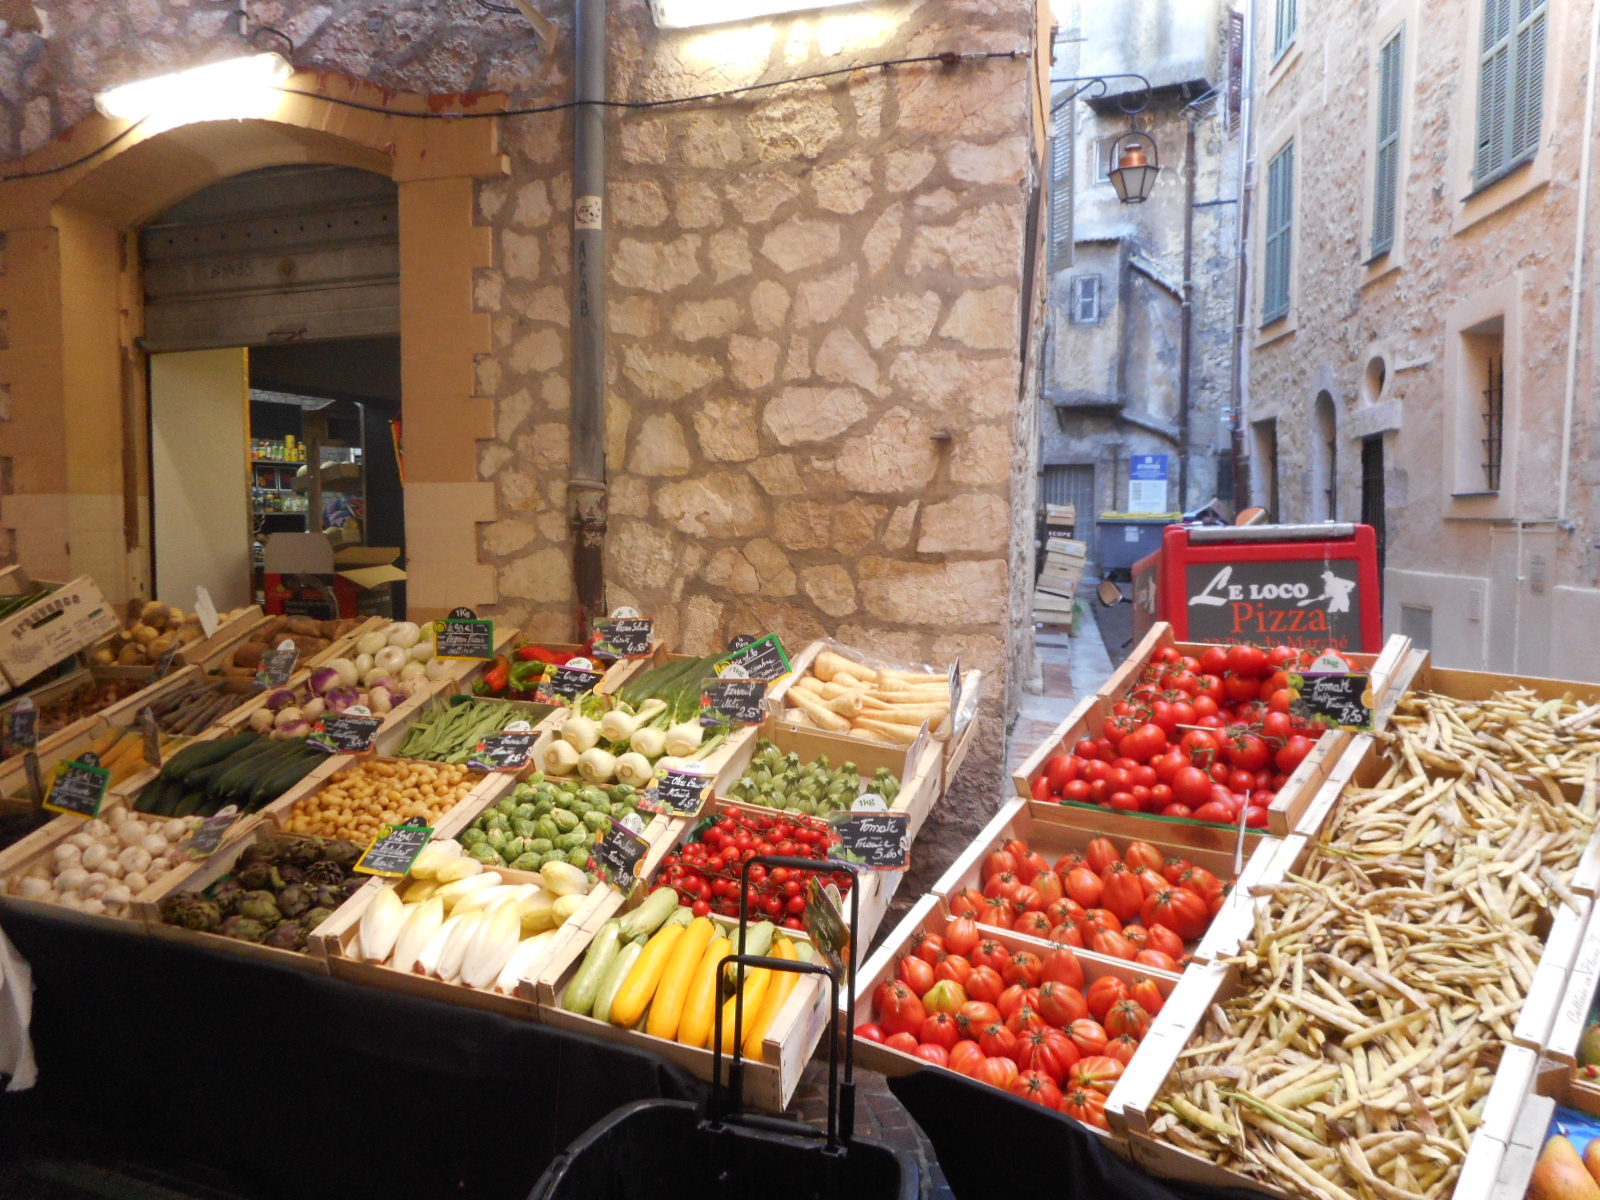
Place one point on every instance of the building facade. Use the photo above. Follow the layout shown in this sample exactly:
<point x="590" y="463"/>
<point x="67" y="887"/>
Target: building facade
<point x="1421" y="343"/>
<point x="1114" y="385"/>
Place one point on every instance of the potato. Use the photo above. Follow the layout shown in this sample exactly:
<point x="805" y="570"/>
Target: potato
<point x="153" y="613"/>
<point x="248" y="655"/>
<point x="103" y="657"/>
<point x="131" y="656"/>
<point x="145" y="634"/>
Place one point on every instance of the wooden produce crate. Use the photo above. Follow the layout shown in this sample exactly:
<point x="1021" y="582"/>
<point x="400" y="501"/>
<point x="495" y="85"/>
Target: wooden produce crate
<point x="1533" y="1127"/>
<point x="769" y="1085"/>
<point x="929" y="913"/>
<point x="336" y="939"/>
<point x="313" y="958"/>
<point x="1285" y="814"/>
<point x="1570" y="1019"/>
<point x="394" y="733"/>
<point x="1055" y="838"/>
<point x="917" y="767"/>
<point x="228" y="635"/>
<point x="73" y="617"/>
<point x="616" y="674"/>
<point x="488" y="787"/>
<point x="1556" y="974"/>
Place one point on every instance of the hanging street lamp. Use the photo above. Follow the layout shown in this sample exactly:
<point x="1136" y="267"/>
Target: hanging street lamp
<point x="1135" y="163"/>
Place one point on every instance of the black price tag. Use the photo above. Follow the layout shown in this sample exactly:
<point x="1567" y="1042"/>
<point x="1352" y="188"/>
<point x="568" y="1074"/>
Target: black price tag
<point x="824" y="921"/>
<point x="22" y="727"/>
<point x="345" y="733"/>
<point x="394" y="850"/>
<point x="277" y="665"/>
<point x="740" y="642"/>
<point x="504" y="751"/>
<point x="616" y="856"/>
<point x="204" y="841"/>
<point x="880" y="841"/>
<point x="1336" y="699"/>
<point x="463" y="635"/>
<point x="625" y="638"/>
<point x="566" y="683"/>
<point x="763" y="658"/>
<point x="30" y="766"/>
<point x="677" y="792"/>
<point x="152" y="736"/>
<point x="79" y="787"/>
<point x="734" y="702"/>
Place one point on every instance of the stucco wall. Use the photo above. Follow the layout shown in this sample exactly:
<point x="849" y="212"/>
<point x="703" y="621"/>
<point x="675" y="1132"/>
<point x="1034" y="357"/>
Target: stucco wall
<point x="1458" y="257"/>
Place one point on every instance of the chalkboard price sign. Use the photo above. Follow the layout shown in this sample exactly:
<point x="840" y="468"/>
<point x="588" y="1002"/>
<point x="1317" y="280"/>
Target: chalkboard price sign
<point x="616" y="856"/>
<point x="824" y="921"/>
<point x="677" y="793"/>
<point x="30" y="767"/>
<point x="394" y="850"/>
<point x="463" y="635"/>
<point x="1341" y="699"/>
<point x="628" y="638"/>
<point x="345" y="733"/>
<point x="566" y="683"/>
<point x="740" y="642"/>
<point x="734" y="702"/>
<point x="277" y="665"/>
<point x="504" y="751"/>
<point x="22" y="728"/>
<point x="205" y="840"/>
<point x="880" y="841"/>
<point x="763" y="658"/>
<point x="152" y="736"/>
<point x="79" y="787"/>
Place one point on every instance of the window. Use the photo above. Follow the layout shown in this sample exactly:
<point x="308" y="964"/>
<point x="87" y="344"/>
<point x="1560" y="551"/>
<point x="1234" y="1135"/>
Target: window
<point x="1481" y="415"/>
<point x="1373" y="502"/>
<point x="1283" y="29"/>
<point x="1102" y="158"/>
<point x="1510" y="87"/>
<point x="1061" y="141"/>
<point x="1265" y="469"/>
<point x="1280" y="230"/>
<point x="1325" y="461"/>
<point x="1086" y="299"/>
<point x="1386" y="172"/>
<point x="1494" y="419"/>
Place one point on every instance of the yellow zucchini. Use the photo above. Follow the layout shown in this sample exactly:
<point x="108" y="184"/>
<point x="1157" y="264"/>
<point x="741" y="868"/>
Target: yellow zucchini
<point x="755" y="1032"/>
<point x="694" y="1026"/>
<point x="667" y="1007"/>
<point x="756" y="980"/>
<point x="640" y="985"/>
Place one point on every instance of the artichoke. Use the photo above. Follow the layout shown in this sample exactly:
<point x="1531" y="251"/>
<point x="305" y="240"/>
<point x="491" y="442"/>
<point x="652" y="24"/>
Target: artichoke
<point x="350" y="887"/>
<point x="293" y="900"/>
<point x="287" y="936"/>
<point x="191" y="911"/>
<point x="325" y="895"/>
<point x="291" y="875"/>
<point x="314" y="917"/>
<point x="302" y="852"/>
<point x="260" y="906"/>
<point x="263" y="850"/>
<point x="325" y="872"/>
<point x="344" y="852"/>
<point x="244" y="929"/>
<point x="260" y="877"/>
<point x="225" y="894"/>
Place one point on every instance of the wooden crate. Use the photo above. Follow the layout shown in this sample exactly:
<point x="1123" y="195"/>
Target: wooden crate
<point x="1571" y="1016"/>
<point x="228" y="635"/>
<point x="1555" y="975"/>
<point x="617" y="674"/>
<point x="394" y="733"/>
<point x="487" y="787"/>
<point x="929" y="913"/>
<point x="1058" y="837"/>
<point x="1287" y="812"/>
<point x="917" y="767"/>
<point x="769" y="1085"/>
<point x="313" y="958"/>
<point x="73" y="617"/>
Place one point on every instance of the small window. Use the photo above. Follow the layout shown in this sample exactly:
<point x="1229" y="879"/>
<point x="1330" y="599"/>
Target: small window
<point x="1481" y="411"/>
<point x="1086" y="299"/>
<point x="1283" y="29"/>
<point x="1494" y="419"/>
<point x="1280" y="236"/>
<point x="1386" y="171"/>
<point x="1102" y="159"/>
<point x="1510" y="87"/>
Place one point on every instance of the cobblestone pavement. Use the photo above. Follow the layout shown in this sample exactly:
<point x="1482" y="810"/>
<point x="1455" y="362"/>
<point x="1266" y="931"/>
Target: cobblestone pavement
<point x="1070" y="668"/>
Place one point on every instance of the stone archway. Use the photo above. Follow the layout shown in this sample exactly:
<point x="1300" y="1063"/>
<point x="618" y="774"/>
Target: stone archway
<point x="72" y="408"/>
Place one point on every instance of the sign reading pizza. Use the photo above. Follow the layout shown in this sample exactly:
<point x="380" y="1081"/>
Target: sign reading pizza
<point x="1306" y="603"/>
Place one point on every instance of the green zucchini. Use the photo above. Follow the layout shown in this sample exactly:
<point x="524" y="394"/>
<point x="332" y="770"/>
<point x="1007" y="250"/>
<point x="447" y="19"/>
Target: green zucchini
<point x="611" y="978"/>
<point x="648" y="917"/>
<point x="585" y="984"/>
<point x="201" y="754"/>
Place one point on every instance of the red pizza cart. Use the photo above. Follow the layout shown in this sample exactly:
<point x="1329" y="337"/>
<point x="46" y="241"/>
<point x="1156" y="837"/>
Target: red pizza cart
<point x="1292" y="585"/>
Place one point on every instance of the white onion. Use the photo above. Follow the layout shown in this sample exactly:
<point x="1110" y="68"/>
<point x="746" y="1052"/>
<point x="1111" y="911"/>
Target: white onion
<point x="413" y="670"/>
<point x="422" y="651"/>
<point x="369" y="644"/>
<point x="391" y="659"/>
<point x="261" y="719"/>
<point x="404" y="634"/>
<point x="436" y="667"/>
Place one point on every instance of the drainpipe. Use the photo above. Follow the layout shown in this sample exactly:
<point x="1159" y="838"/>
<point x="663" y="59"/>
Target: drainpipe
<point x="1241" y="280"/>
<point x="1574" y="328"/>
<point x="1186" y="320"/>
<point x="586" y="482"/>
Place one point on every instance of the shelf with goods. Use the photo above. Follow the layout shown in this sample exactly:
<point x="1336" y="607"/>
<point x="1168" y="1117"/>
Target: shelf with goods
<point x="1081" y="737"/>
<point x="1454" y="863"/>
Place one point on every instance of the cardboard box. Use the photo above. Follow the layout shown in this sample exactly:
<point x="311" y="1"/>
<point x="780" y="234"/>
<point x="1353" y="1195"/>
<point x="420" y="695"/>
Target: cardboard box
<point x="324" y="582"/>
<point x="71" y="618"/>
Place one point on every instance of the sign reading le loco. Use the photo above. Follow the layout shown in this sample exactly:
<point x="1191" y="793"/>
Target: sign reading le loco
<point x="1311" y="602"/>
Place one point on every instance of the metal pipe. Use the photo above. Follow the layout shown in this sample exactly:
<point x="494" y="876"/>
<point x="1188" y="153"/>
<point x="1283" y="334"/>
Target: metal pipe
<point x="1579" y="239"/>
<point x="586" y="482"/>
<point x="1186" y="317"/>
<point x="1241" y="281"/>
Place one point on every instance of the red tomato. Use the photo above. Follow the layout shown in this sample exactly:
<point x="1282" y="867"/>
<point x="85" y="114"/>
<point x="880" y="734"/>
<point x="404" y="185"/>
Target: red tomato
<point x="1148" y="993"/>
<point x="929" y="947"/>
<point x="985" y="985"/>
<point x="1037" y="1087"/>
<point x="965" y="1057"/>
<point x="1043" y="1048"/>
<point x="898" y="1008"/>
<point x="1247" y="751"/>
<point x="1113" y="945"/>
<point x="1024" y="967"/>
<point x="1041" y="789"/>
<point x="1155" y="958"/>
<point x="917" y="973"/>
<point x="1061" y="1004"/>
<point x="996" y="1071"/>
<point x="1065" y="910"/>
<point x="968" y="902"/>
<point x="1149" y="740"/>
<point x="1049" y="887"/>
<point x="1088" y="1036"/>
<point x="1126" y="1017"/>
<point x="1103" y="993"/>
<point x="904" y="1042"/>
<point x="1249" y="661"/>
<point x="1293" y="753"/>
<point x="1255" y="817"/>
<point x="1067" y="934"/>
<point x="1011" y="999"/>
<point x="1150" y="881"/>
<point x="1025" y="899"/>
<point x="1201" y="881"/>
<point x="961" y="935"/>
<point x="1122" y="1048"/>
<point x="1061" y="770"/>
<point x="1123" y="802"/>
<point x="1122" y="894"/>
<point x="940" y="1029"/>
<point x="953" y="967"/>
<point x="1178" y="909"/>
<point x="1002" y="883"/>
<point x="996" y="911"/>
<point x="1086" y="749"/>
<point x="1099" y="854"/>
<point x="1034" y="924"/>
<point x="1240" y="688"/>
<point x="974" y="1016"/>
<point x="1076" y="792"/>
<point x="1098" y="1071"/>
<point x="1172" y="868"/>
<point x="1025" y="1018"/>
<point x="872" y="1032"/>
<point x="1084" y="886"/>
<point x="1169" y="764"/>
<point x="990" y="953"/>
<point x="1087" y="1106"/>
<point x="1214" y="660"/>
<point x="945" y="996"/>
<point x="1061" y="966"/>
<point x="1164" y="940"/>
<point x="998" y="862"/>
<point x="1101" y="918"/>
<point x="939" y="1056"/>
<point x="1217" y="814"/>
<point x="1030" y="866"/>
<point x="997" y="1041"/>
<point x="1137" y="934"/>
<point x="1143" y="854"/>
<point x="1166" y="654"/>
<point x="1191" y="786"/>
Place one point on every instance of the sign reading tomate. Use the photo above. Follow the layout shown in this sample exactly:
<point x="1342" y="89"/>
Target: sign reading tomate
<point x="1292" y="602"/>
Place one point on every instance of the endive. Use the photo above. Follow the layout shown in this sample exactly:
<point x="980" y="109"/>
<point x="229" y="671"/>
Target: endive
<point x="380" y="925"/>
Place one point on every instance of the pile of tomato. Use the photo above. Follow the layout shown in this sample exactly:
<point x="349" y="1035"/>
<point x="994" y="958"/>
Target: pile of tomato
<point x="1212" y="738"/>
<point x="1029" y="1023"/>
<point x="1136" y="904"/>
<point x="706" y="872"/>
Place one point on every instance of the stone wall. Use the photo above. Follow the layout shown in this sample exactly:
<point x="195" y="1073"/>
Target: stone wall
<point x="1498" y="580"/>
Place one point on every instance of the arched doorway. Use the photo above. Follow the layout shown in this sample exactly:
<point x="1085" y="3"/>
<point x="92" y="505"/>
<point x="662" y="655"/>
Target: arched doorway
<point x="1324" y="460"/>
<point x="72" y="367"/>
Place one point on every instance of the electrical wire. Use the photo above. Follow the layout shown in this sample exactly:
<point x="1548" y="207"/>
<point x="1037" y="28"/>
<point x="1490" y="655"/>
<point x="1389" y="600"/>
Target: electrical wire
<point x="498" y="8"/>
<point x="949" y="58"/>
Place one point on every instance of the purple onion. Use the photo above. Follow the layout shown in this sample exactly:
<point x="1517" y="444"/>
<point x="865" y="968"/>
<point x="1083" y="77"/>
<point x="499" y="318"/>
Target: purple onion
<point x="282" y="698"/>
<point x="340" y="698"/>
<point x="324" y="679"/>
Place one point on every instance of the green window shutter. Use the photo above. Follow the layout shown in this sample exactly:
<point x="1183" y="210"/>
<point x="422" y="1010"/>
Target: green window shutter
<point x="1280" y="236"/>
<point x="1527" y="58"/>
<point x="1386" y="173"/>
<point x="1283" y="28"/>
<point x="1061" y="189"/>
<point x="1511" y="68"/>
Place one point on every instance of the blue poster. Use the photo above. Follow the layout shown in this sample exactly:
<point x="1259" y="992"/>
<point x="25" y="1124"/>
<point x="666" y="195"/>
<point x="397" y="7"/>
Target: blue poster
<point x="1148" y="467"/>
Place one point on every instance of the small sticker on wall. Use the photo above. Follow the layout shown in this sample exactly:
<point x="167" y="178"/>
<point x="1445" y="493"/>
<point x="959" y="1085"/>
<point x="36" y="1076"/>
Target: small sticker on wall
<point x="587" y="213"/>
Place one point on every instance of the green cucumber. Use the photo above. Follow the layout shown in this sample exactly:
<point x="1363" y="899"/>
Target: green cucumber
<point x="585" y="984"/>
<point x="611" y="979"/>
<point x="202" y="754"/>
<point x="647" y="918"/>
